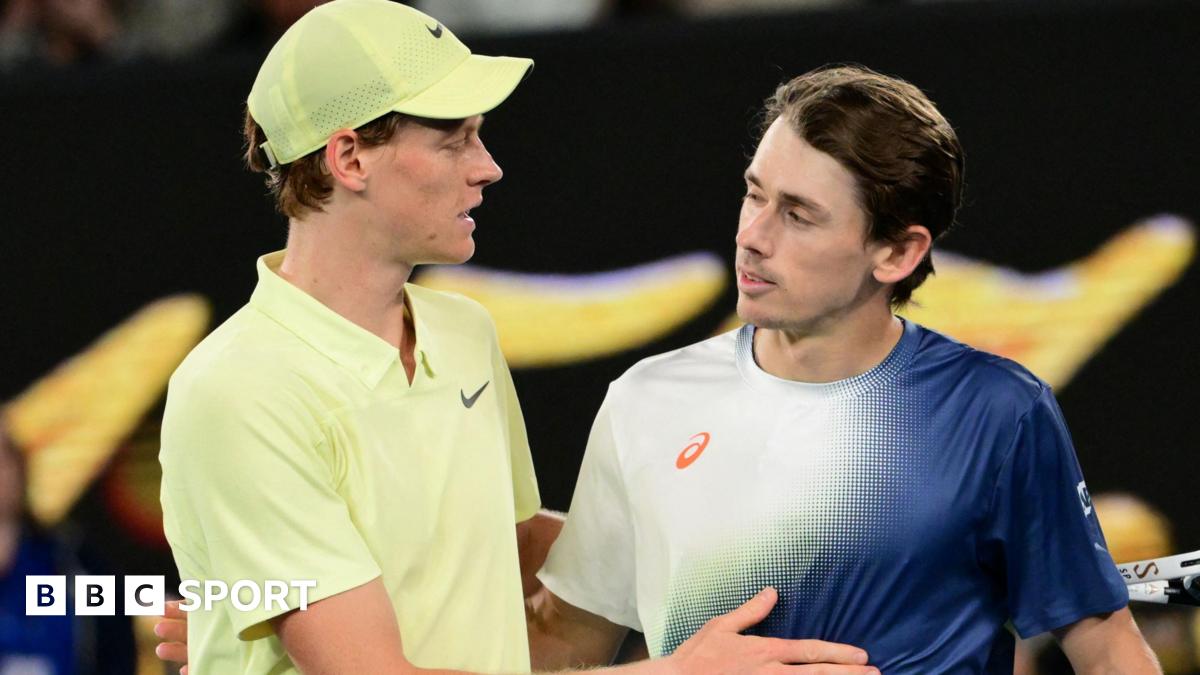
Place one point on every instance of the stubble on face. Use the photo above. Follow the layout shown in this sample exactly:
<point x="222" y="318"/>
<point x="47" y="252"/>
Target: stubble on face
<point x="803" y="230"/>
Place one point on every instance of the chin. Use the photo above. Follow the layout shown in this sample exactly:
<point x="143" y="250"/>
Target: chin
<point x="466" y="253"/>
<point x="456" y="256"/>
<point x="749" y="312"/>
<point x="766" y="318"/>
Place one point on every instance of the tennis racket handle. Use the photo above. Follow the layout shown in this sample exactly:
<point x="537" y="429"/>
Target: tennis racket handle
<point x="1150" y="591"/>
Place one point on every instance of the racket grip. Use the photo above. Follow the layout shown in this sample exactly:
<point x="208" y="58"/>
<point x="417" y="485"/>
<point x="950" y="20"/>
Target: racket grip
<point x="1150" y="591"/>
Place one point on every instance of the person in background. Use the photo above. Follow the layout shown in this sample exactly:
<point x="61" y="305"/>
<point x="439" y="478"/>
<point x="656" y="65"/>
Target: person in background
<point x="47" y="645"/>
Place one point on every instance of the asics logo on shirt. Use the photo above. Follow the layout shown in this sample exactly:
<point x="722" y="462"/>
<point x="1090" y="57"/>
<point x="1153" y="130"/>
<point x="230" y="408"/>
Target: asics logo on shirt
<point x="692" y="452"/>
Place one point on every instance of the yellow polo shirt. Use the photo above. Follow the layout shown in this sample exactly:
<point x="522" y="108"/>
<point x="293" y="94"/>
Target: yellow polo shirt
<point x="293" y="447"/>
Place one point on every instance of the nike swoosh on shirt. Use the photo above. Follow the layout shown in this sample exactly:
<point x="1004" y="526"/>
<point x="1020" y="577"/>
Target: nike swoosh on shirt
<point x="468" y="402"/>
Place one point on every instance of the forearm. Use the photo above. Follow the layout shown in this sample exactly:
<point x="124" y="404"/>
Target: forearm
<point x="534" y="538"/>
<point x="551" y="651"/>
<point x="663" y="666"/>
<point x="1110" y="644"/>
<point x="1130" y="658"/>
<point x="562" y="636"/>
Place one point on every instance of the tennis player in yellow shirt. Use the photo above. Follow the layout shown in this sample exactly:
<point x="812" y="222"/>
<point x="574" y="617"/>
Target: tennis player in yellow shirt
<point x="352" y="429"/>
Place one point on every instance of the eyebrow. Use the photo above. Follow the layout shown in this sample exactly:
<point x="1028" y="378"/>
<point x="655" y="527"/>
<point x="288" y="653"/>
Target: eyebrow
<point x="465" y="125"/>
<point x="810" y="205"/>
<point x="452" y="127"/>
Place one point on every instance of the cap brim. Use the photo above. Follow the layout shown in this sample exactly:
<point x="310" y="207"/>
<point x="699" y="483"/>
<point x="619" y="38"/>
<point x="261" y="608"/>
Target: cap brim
<point x="477" y="85"/>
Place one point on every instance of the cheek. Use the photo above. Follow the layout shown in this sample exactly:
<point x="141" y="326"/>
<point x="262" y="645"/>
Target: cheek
<point x="437" y="178"/>
<point x="426" y="197"/>
<point x="816" y="263"/>
<point x="423" y="182"/>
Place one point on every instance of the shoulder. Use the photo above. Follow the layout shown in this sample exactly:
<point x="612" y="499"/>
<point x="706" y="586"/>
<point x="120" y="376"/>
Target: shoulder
<point x="701" y="363"/>
<point x="246" y="354"/>
<point x="247" y="374"/>
<point x="975" y="375"/>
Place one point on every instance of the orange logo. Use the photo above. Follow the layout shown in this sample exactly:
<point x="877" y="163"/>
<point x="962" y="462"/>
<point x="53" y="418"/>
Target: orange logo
<point x="692" y="451"/>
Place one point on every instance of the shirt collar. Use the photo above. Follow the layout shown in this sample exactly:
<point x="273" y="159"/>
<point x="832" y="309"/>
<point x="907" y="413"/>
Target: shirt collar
<point x="364" y="354"/>
<point x="809" y="392"/>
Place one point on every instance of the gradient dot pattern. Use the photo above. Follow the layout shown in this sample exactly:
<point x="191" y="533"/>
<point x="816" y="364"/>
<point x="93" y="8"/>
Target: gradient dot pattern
<point x="913" y="510"/>
<point x="851" y="491"/>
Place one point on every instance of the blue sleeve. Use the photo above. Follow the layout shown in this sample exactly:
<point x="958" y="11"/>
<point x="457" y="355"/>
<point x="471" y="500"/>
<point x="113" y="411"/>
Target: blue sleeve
<point x="1042" y="535"/>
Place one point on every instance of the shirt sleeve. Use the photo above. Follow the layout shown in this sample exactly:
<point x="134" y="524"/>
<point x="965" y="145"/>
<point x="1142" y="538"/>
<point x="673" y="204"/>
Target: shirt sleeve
<point x="1043" y="536"/>
<point x="592" y="564"/>
<point x="526" y="498"/>
<point x="249" y="494"/>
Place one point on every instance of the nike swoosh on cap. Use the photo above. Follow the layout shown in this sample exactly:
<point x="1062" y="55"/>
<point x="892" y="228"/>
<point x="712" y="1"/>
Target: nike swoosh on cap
<point x="468" y="402"/>
<point x="435" y="32"/>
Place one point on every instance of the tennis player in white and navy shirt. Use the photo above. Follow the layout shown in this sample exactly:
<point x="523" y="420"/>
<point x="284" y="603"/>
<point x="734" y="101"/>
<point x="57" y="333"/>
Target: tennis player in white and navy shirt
<point x="903" y="492"/>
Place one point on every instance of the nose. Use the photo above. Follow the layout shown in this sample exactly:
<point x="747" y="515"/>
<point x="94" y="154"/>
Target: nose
<point x="752" y="235"/>
<point x="487" y="171"/>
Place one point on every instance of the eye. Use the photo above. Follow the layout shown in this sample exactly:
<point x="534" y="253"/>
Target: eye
<point x="795" y="217"/>
<point x="752" y="196"/>
<point x="459" y="143"/>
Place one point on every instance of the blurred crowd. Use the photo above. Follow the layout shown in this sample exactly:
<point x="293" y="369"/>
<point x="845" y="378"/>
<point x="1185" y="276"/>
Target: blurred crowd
<point x="56" y="33"/>
<point x="59" y="33"/>
<point x="49" y="645"/>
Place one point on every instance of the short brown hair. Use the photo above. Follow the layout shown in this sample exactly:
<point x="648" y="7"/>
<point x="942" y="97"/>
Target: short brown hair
<point x="905" y="157"/>
<point x="301" y="186"/>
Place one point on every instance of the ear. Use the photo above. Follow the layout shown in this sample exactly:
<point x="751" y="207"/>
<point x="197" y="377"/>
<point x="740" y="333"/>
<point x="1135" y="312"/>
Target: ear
<point x="895" y="260"/>
<point x="344" y="160"/>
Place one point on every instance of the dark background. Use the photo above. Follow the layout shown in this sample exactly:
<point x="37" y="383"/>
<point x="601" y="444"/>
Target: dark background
<point x="124" y="184"/>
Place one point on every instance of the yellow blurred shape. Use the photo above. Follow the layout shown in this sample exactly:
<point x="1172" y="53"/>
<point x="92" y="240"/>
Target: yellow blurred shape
<point x="71" y="421"/>
<point x="548" y="320"/>
<point x="1052" y="322"/>
<point x="1134" y="529"/>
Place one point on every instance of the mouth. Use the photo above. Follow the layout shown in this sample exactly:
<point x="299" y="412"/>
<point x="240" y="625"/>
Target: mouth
<point x="466" y="214"/>
<point x="750" y="283"/>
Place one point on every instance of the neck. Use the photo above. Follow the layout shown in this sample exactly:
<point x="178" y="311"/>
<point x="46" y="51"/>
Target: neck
<point x="851" y="347"/>
<point x="343" y="270"/>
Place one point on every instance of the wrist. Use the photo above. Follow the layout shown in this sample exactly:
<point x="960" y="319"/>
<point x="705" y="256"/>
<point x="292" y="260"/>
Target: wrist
<point x="669" y="665"/>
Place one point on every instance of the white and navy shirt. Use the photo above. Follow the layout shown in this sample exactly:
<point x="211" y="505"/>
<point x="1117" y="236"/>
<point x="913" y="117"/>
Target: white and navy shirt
<point x="912" y="510"/>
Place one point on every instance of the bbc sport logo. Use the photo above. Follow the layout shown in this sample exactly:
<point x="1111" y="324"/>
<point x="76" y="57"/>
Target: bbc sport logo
<point x="145" y="595"/>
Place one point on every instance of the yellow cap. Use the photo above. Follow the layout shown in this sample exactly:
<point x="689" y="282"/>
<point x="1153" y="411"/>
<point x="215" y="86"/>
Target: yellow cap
<point x="348" y="62"/>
